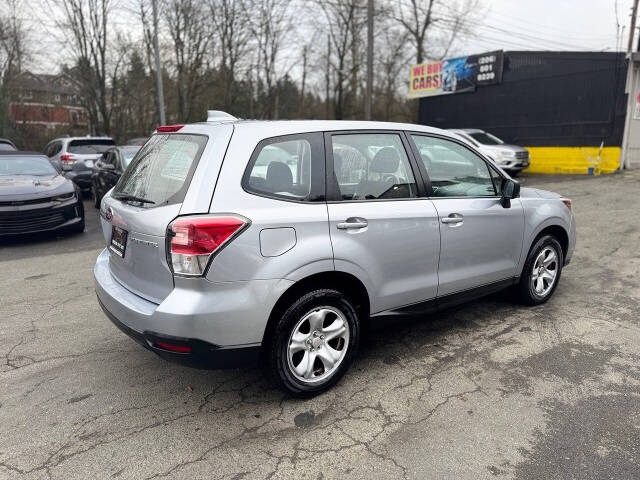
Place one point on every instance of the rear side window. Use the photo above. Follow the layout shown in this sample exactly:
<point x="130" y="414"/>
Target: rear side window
<point x="288" y="168"/>
<point x="162" y="169"/>
<point x="89" y="146"/>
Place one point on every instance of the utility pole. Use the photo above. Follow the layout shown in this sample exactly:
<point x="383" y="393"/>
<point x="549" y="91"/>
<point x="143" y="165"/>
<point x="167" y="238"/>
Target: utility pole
<point x="369" y="93"/>
<point x="630" y="90"/>
<point x="632" y="30"/>
<point x="159" y="86"/>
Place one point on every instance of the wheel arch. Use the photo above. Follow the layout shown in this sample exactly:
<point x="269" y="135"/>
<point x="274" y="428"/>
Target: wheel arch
<point x="347" y="283"/>
<point x="553" y="228"/>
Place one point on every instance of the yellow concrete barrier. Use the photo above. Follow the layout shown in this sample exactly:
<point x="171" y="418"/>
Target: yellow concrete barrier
<point x="572" y="160"/>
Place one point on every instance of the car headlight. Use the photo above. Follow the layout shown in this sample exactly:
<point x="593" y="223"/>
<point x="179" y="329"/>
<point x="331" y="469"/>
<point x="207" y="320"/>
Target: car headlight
<point x="64" y="197"/>
<point x="507" y="153"/>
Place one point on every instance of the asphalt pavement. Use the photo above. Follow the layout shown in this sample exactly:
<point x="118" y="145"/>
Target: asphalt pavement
<point x="488" y="390"/>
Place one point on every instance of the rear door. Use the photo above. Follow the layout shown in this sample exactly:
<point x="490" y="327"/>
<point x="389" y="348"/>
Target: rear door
<point x="148" y="197"/>
<point x="481" y="241"/>
<point x="381" y="230"/>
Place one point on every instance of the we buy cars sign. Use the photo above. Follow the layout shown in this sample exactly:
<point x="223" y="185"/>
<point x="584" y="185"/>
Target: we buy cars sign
<point x="454" y="75"/>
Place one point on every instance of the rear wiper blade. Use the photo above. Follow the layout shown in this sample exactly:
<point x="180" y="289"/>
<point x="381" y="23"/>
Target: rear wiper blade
<point x="132" y="198"/>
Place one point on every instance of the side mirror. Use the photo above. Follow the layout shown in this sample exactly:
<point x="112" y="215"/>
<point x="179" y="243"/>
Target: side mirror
<point x="510" y="189"/>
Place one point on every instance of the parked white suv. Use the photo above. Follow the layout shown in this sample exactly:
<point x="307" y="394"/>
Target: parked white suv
<point x="511" y="158"/>
<point x="75" y="156"/>
<point x="230" y="242"/>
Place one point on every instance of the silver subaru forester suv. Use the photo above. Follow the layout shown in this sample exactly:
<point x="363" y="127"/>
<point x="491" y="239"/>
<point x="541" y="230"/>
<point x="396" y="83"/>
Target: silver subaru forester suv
<point x="236" y="242"/>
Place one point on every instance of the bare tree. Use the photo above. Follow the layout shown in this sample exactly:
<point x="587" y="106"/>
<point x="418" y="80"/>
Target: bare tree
<point x="344" y="21"/>
<point x="420" y="17"/>
<point x="271" y="25"/>
<point x="86" y="25"/>
<point x="191" y="41"/>
<point x="232" y="29"/>
<point x="12" y="54"/>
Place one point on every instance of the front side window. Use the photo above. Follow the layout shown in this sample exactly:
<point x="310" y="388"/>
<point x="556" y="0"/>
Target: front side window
<point x="286" y="167"/>
<point x="161" y="171"/>
<point x="454" y="170"/>
<point x="371" y="166"/>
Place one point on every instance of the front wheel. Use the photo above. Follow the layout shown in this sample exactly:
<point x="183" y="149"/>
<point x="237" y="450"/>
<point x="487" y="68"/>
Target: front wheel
<point x="314" y="342"/>
<point x="541" y="272"/>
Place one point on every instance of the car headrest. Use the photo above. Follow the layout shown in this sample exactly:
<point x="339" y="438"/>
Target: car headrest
<point x="386" y="160"/>
<point x="279" y="177"/>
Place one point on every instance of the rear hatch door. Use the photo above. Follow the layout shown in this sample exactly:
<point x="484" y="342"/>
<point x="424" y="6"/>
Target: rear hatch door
<point x="136" y="213"/>
<point x="86" y="151"/>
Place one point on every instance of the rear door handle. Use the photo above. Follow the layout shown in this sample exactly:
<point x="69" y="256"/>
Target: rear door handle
<point x="453" y="218"/>
<point x="352" y="223"/>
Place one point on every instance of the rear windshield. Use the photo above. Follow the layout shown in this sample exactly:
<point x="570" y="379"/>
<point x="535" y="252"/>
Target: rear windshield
<point x="161" y="171"/>
<point x="89" y="146"/>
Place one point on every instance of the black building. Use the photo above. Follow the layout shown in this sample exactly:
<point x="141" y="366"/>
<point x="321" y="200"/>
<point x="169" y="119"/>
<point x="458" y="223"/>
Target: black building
<point x="545" y="99"/>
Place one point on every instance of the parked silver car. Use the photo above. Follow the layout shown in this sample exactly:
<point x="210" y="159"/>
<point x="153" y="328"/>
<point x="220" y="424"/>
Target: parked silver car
<point x="511" y="158"/>
<point x="230" y="242"/>
<point x="75" y="156"/>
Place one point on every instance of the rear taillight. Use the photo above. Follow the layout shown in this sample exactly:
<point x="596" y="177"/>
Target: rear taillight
<point x="173" y="347"/>
<point x="169" y="128"/>
<point x="567" y="203"/>
<point x="67" y="158"/>
<point x="195" y="240"/>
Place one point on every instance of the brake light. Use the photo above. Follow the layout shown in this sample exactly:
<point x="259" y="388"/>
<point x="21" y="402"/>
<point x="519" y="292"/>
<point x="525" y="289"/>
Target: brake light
<point x="169" y="128"/>
<point x="195" y="240"/>
<point x="67" y="158"/>
<point x="173" y="348"/>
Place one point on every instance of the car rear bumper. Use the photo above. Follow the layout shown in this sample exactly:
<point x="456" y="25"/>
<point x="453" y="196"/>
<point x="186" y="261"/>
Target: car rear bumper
<point x="222" y="324"/>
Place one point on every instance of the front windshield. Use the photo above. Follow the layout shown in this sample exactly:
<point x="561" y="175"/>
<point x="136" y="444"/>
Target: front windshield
<point x="486" y="138"/>
<point x="39" y="166"/>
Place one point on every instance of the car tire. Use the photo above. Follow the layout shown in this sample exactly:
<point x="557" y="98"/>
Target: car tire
<point x="306" y="340"/>
<point x="94" y="194"/>
<point x="78" y="227"/>
<point x="541" y="272"/>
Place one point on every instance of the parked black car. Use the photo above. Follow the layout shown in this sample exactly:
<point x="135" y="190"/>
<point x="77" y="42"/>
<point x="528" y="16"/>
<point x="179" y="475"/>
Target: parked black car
<point x="7" y="145"/>
<point x="107" y="170"/>
<point x="35" y="197"/>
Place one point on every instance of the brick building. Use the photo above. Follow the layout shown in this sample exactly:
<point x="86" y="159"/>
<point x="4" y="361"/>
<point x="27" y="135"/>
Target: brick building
<point x="49" y="101"/>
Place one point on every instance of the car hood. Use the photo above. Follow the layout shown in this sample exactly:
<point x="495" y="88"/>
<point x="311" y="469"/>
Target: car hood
<point x="537" y="193"/>
<point x="25" y="187"/>
<point x="504" y="146"/>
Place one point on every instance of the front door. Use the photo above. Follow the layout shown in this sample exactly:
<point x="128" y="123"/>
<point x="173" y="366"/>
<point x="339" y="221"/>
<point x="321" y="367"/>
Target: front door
<point x="381" y="230"/>
<point x="481" y="241"/>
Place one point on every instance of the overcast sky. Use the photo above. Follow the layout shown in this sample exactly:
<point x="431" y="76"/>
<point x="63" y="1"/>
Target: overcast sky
<point x="500" y="25"/>
<point x="549" y="25"/>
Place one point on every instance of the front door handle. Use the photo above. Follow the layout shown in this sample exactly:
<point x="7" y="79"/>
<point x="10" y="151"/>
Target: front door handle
<point x="352" y="223"/>
<point x="453" y="218"/>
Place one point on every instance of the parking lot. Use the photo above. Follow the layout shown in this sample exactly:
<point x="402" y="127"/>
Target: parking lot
<point x="488" y="390"/>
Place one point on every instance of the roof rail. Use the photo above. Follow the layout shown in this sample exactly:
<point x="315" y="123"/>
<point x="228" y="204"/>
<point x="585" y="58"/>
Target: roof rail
<point x="218" y="115"/>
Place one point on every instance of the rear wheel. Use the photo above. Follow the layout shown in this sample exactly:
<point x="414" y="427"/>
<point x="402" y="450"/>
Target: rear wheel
<point x="94" y="194"/>
<point x="314" y="342"/>
<point x="541" y="272"/>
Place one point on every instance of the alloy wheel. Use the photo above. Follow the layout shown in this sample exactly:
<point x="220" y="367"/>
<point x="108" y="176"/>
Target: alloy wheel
<point x="318" y="344"/>
<point x="545" y="271"/>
